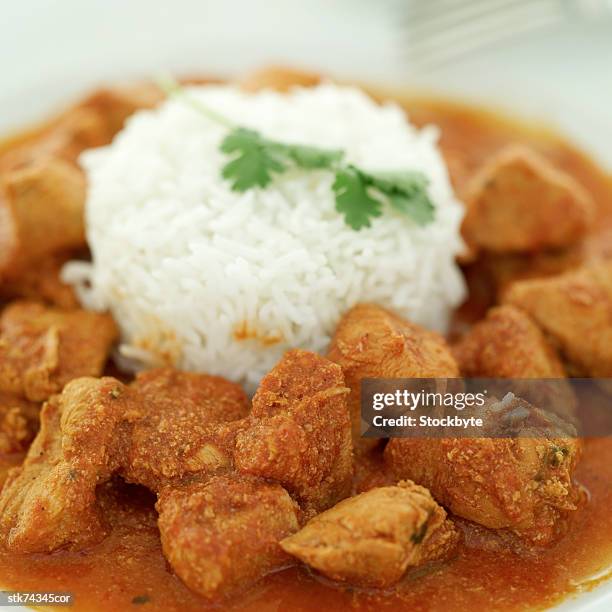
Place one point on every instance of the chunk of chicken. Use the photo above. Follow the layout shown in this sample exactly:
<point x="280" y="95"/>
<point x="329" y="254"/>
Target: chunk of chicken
<point x="49" y="502"/>
<point x="41" y="282"/>
<point x="223" y="534"/>
<point x="300" y="432"/>
<point x="371" y="342"/>
<point x="18" y="423"/>
<point x="98" y="427"/>
<point x="500" y="270"/>
<point x="370" y="471"/>
<point x="42" y="191"/>
<point x="90" y="123"/>
<point x="518" y="201"/>
<point x="575" y="311"/>
<point x="371" y="539"/>
<point x="63" y="139"/>
<point x="41" y="349"/>
<point x="41" y="213"/>
<point x="178" y="433"/>
<point x="173" y="425"/>
<point x="507" y="344"/>
<point x="115" y="104"/>
<point x="522" y="484"/>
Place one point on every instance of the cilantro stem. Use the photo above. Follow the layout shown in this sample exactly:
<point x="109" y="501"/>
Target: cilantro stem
<point x="174" y="90"/>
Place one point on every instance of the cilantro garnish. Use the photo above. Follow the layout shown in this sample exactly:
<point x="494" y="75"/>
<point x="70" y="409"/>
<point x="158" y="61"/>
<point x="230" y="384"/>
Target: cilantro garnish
<point x="254" y="162"/>
<point x="407" y="193"/>
<point x="359" y="194"/>
<point x="256" y="158"/>
<point x="353" y="200"/>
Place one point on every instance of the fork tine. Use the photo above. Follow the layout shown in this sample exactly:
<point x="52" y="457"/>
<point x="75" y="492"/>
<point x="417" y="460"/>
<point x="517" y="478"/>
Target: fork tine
<point x="495" y="22"/>
<point x="431" y="47"/>
<point x="451" y="12"/>
<point x="436" y="58"/>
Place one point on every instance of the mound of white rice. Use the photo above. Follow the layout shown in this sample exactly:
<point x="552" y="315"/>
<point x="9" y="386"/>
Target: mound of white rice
<point x="212" y="280"/>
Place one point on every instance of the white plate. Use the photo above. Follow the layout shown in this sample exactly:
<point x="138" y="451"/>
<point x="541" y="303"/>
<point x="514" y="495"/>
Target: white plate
<point x="52" y="51"/>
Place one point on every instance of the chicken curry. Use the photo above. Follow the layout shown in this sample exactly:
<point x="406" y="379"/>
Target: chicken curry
<point x="174" y="491"/>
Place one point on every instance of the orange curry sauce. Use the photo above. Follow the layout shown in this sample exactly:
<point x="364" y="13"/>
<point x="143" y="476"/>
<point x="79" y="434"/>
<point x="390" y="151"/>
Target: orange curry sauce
<point x="128" y="571"/>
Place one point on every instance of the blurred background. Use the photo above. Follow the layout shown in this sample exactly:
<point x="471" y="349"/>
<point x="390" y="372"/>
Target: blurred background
<point x="52" y="50"/>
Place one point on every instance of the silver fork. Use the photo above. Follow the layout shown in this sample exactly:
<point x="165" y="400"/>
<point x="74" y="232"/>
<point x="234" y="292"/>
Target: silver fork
<point x="436" y="32"/>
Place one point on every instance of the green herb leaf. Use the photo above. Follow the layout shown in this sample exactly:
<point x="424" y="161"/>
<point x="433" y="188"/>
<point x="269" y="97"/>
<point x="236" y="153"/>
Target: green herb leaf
<point x="258" y="158"/>
<point x="353" y="200"/>
<point x="395" y="181"/>
<point x="313" y="157"/>
<point x="418" y="206"/>
<point x="254" y="163"/>
<point x="406" y="192"/>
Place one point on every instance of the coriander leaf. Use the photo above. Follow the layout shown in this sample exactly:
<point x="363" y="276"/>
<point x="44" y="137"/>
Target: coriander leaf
<point x="407" y="182"/>
<point x="406" y="192"/>
<point x="313" y="157"/>
<point x="418" y="207"/>
<point x="255" y="162"/>
<point x="353" y="200"/>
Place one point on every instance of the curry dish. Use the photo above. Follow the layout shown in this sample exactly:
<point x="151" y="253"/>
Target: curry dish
<point x="174" y="490"/>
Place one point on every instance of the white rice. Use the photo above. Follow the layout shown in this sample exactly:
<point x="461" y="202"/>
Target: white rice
<point x="189" y="267"/>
